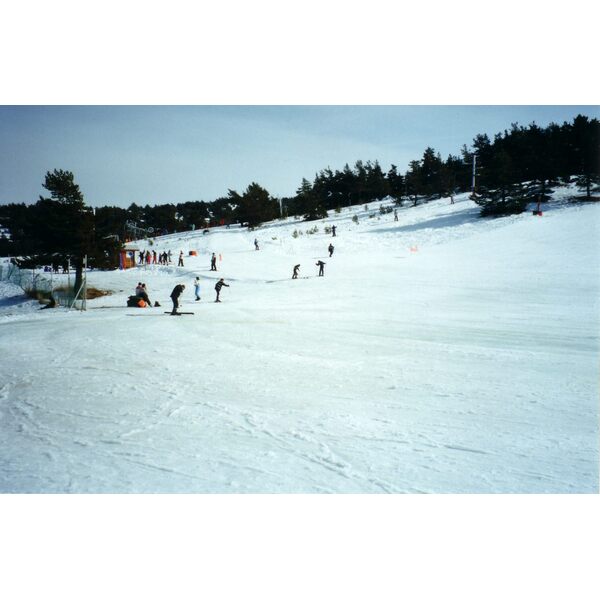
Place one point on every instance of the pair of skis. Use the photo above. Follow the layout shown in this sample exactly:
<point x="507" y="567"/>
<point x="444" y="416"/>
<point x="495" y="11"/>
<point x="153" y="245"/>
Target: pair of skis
<point x="177" y="314"/>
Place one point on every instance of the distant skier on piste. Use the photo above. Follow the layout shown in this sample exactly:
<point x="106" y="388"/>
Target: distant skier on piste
<point x="295" y="273"/>
<point x="331" y="248"/>
<point x="218" y="287"/>
<point x="197" y="288"/>
<point x="256" y="244"/>
<point x="333" y="230"/>
<point x="180" y="263"/>
<point x="213" y="262"/>
<point x="177" y="291"/>
<point x="321" y="266"/>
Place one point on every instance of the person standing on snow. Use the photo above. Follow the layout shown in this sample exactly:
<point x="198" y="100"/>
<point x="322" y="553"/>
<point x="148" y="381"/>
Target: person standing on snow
<point x="218" y="287"/>
<point x="180" y="263"/>
<point x="213" y="262"/>
<point x="177" y="291"/>
<point x="395" y="215"/>
<point x="296" y="269"/>
<point x="321" y="266"/>
<point x="197" y="288"/>
<point x="333" y="230"/>
<point x="330" y="250"/>
<point x="256" y="244"/>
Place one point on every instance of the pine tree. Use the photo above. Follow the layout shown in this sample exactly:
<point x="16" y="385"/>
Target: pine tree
<point x="504" y="197"/>
<point x="430" y="173"/>
<point x="254" y="206"/>
<point x="395" y="183"/>
<point x="586" y="146"/>
<point x="62" y="223"/>
<point x="412" y="181"/>
<point x="308" y="203"/>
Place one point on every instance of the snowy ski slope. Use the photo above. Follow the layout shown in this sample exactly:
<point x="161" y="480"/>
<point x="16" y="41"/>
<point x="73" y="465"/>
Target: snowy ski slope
<point x="440" y="353"/>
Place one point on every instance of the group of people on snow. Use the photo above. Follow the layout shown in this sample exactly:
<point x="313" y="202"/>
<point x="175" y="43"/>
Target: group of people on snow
<point x="140" y="298"/>
<point x="152" y="258"/>
<point x="141" y="292"/>
<point x="179" y="289"/>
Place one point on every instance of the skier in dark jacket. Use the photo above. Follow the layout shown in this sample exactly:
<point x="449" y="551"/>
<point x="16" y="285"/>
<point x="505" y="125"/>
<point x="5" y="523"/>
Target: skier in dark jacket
<point x="296" y="269"/>
<point x="218" y="287"/>
<point x="330" y="250"/>
<point x="333" y="230"/>
<point x="177" y="291"/>
<point x="321" y="266"/>
<point x="213" y="262"/>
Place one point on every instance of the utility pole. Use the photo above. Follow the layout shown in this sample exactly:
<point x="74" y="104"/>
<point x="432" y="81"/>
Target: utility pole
<point x="84" y="299"/>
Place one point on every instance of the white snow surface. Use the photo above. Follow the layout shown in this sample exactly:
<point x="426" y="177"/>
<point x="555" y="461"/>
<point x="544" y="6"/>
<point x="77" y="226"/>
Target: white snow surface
<point x="442" y="353"/>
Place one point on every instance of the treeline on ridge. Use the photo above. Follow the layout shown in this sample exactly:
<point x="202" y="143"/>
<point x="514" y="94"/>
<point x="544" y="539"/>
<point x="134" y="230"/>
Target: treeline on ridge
<point x="518" y="166"/>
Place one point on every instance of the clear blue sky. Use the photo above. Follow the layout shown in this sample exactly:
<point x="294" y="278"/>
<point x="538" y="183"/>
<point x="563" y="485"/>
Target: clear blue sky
<point x="159" y="154"/>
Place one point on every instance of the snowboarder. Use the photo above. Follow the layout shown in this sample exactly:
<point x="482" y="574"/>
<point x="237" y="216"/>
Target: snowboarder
<point x="321" y="266"/>
<point x="296" y="269"/>
<point x="256" y="244"/>
<point x="177" y="291"/>
<point x="333" y="230"/>
<point x="330" y="250"/>
<point x="218" y="287"/>
<point x="197" y="288"/>
<point x="213" y="262"/>
<point x="180" y="263"/>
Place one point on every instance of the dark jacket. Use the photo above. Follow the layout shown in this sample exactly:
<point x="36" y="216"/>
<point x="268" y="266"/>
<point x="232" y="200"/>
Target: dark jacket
<point x="177" y="291"/>
<point x="219" y="285"/>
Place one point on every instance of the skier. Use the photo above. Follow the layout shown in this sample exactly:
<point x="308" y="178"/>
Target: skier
<point x="330" y="250"/>
<point x="395" y="215"/>
<point x="180" y="263"/>
<point x="197" y="288"/>
<point x="213" y="262"/>
<point x="333" y="230"/>
<point x="169" y="256"/>
<point x="296" y="269"/>
<point x="320" y="264"/>
<point x="177" y="291"/>
<point x="256" y="244"/>
<point x="218" y="287"/>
